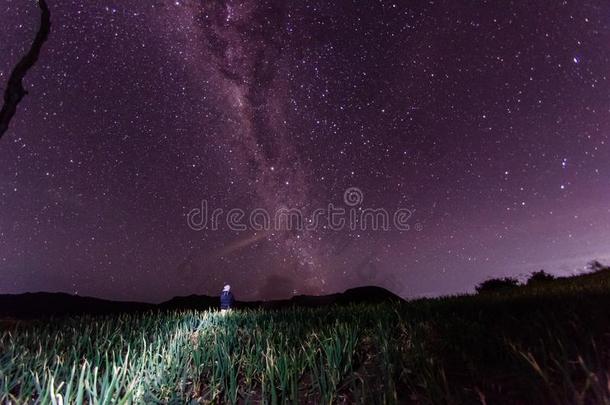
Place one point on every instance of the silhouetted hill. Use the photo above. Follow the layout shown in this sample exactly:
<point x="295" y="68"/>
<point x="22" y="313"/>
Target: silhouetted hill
<point x="353" y="295"/>
<point x="40" y="305"/>
<point x="190" y="302"/>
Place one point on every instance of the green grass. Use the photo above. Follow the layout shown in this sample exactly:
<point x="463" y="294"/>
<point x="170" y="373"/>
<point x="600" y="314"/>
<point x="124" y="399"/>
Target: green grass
<point x="547" y="343"/>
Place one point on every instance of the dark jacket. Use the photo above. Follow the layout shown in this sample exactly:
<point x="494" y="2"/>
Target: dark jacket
<point x="226" y="300"/>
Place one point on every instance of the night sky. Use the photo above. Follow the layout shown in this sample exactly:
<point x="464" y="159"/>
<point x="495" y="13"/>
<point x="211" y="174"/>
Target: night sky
<point x="488" y="120"/>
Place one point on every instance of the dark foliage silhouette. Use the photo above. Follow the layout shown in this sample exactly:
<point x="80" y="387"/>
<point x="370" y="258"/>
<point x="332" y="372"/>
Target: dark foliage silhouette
<point x="540" y="276"/>
<point x="595" y="266"/>
<point x="14" y="92"/>
<point x="497" y="285"/>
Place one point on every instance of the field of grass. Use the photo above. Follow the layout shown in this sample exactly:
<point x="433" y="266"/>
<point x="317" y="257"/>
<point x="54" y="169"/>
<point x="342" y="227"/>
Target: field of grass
<point x="547" y="343"/>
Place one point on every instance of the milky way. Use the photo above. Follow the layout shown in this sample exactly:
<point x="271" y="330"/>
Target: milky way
<point x="488" y="122"/>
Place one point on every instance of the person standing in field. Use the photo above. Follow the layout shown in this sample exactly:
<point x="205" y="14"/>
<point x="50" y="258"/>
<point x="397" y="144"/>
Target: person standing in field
<point x="226" y="299"/>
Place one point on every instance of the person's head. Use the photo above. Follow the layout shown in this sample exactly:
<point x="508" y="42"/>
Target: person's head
<point x="226" y="288"/>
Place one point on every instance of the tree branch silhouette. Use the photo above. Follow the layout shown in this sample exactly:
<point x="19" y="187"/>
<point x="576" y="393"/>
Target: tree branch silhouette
<point x="14" y="91"/>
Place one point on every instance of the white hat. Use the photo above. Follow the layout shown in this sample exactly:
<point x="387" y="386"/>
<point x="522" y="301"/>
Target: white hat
<point x="226" y="288"/>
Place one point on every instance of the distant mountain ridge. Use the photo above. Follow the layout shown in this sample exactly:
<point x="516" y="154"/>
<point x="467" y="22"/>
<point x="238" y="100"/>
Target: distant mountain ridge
<point x="43" y="304"/>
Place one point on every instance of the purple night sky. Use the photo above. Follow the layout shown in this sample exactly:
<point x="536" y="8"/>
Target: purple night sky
<point x="489" y="120"/>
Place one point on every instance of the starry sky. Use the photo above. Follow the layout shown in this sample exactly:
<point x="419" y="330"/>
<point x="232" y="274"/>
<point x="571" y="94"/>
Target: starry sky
<point x="488" y="120"/>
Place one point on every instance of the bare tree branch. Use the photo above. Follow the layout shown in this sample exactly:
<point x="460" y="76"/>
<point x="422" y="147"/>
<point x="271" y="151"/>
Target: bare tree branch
<point x="15" y="92"/>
